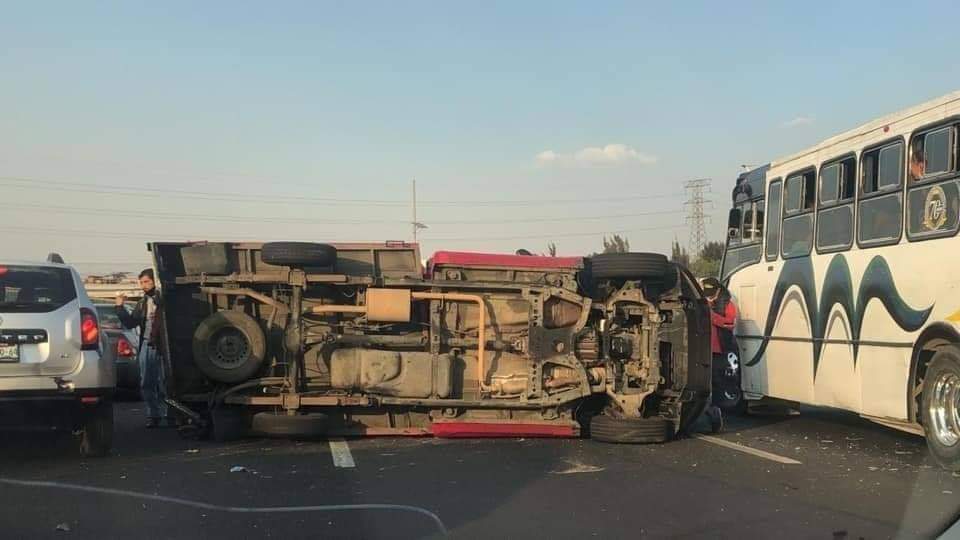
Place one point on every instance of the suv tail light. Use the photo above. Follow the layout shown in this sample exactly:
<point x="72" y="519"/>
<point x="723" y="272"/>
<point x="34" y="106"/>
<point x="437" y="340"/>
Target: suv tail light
<point x="124" y="348"/>
<point x="89" y="330"/>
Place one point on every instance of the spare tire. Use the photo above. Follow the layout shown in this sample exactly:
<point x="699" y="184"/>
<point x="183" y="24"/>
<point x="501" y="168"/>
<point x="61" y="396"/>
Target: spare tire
<point x="630" y="430"/>
<point x="290" y="425"/>
<point x="229" y="347"/>
<point x="638" y="266"/>
<point x="298" y="254"/>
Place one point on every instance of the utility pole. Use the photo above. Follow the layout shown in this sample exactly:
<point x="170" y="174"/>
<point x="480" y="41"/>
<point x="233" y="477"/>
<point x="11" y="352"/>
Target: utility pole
<point x="416" y="224"/>
<point x="696" y="219"/>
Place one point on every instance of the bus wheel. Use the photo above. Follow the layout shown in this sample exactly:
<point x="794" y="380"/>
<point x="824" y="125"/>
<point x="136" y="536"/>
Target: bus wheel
<point x="630" y="430"/>
<point x="941" y="407"/>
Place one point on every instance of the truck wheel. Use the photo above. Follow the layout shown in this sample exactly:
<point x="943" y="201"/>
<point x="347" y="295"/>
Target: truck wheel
<point x="96" y="430"/>
<point x="639" y="266"/>
<point x="286" y="425"/>
<point x="229" y="347"/>
<point x="298" y="254"/>
<point x="630" y="430"/>
<point x="941" y="407"/>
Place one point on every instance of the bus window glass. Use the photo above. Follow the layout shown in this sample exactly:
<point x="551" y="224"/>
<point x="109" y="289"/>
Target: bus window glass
<point x="882" y="168"/>
<point x="747" y="223"/>
<point x="879" y="219"/>
<point x="829" y="183"/>
<point x="933" y="210"/>
<point x="758" y="223"/>
<point x="794" y="198"/>
<point x="797" y="236"/>
<point x="890" y="167"/>
<point x="835" y="228"/>
<point x="937" y="152"/>
<point x="773" y="231"/>
<point x="848" y="183"/>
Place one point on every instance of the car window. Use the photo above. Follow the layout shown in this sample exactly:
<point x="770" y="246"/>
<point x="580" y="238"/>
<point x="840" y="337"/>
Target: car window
<point x="108" y="316"/>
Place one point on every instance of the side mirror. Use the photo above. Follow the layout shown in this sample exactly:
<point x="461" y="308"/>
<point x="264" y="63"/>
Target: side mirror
<point x="733" y="221"/>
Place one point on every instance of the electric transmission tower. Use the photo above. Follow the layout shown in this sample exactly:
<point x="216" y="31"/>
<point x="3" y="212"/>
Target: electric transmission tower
<point x="696" y="219"/>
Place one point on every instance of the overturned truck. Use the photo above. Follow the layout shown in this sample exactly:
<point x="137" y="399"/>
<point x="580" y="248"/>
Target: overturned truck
<point x="306" y="339"/>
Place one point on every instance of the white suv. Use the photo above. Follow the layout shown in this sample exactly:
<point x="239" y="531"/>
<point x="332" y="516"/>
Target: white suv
<point x="54" y="372"/>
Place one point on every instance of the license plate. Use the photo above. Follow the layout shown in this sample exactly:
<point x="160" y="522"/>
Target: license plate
<point x="9" y="353"/>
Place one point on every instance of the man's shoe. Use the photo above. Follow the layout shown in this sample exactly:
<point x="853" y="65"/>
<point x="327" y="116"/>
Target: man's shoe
<point x="153" y="423"/>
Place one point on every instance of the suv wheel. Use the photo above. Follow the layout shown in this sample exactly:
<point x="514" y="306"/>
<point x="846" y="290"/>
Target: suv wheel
<point x="229" y="346"/>
<point x="638" y="266"/>
<point x="630" y="430"/>
<point x="96" y="430"/>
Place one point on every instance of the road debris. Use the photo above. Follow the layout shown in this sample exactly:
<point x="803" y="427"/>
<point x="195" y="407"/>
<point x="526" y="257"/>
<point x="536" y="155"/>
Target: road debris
<point x="576" y="467"/>
<point x="65" y="527"/>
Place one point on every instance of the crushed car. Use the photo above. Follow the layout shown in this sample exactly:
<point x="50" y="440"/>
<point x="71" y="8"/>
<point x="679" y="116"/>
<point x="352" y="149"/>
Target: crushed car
<point x="310" y="339"/>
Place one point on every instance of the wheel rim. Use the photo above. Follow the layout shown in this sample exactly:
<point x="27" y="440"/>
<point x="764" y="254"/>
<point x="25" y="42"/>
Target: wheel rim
<point x="944" y="409"/>
<point x="230" y="348"/>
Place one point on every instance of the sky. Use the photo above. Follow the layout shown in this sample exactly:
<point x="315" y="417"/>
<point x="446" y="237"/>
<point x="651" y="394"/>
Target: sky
<point x="523" y="123"/>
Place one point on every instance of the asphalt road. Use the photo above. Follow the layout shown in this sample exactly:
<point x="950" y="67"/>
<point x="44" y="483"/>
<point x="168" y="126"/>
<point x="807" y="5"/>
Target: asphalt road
<point x="851" y="479"/>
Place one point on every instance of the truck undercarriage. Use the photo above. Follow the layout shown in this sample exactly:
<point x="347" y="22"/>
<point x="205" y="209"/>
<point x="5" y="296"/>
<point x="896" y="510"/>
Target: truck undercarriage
<point x="356" y="339"/>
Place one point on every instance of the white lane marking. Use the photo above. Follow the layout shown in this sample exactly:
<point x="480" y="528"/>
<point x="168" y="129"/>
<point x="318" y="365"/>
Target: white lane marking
<point x="230" y="509"/>
<point x="340" y="451"/>
<point x="746" y="449"/>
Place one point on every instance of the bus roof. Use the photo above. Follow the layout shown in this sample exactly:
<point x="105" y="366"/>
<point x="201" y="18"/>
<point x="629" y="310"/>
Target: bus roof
<point x="872" y="126"/>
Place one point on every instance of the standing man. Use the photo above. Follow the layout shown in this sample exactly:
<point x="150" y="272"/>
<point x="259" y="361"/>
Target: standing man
<point x="723" y="317"/>
<point x="149" y="319"/>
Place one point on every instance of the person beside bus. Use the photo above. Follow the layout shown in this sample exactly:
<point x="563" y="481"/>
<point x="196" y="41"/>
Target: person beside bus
<point x="723" y="317"/>
<point x="148" y="317"/>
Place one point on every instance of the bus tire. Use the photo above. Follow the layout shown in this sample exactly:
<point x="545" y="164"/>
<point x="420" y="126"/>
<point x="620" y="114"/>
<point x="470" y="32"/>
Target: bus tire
<point x="608" y="429"/>
<point x="298" y="254"/>
<point x="638" y="266"/>
<point x="229" y="347"/>
<point x="939" y="411"/>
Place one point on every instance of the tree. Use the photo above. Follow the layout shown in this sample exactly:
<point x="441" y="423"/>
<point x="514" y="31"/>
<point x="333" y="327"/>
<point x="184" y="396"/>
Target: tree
<point x="708" y="263"/>
<point x="552" y="249"/>
<point x="712" y="251"/>
<point x="679" y="254"/>
<point x="703" y="268"/>
<point x="616" y="244"/>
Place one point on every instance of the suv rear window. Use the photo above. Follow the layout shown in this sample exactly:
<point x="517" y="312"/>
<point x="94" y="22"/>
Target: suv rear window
<point x="35" y="289"/>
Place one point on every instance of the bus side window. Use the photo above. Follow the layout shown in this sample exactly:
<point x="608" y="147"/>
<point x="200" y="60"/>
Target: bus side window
<point x="798" y="214"/>
<point x="835" y="213"/>
<point x="932" y="154"/>
<point x="747" y="225"/>
<point x="758" y="223"/>
<point x="773" y="229"/>
<point x="880" y="211"/>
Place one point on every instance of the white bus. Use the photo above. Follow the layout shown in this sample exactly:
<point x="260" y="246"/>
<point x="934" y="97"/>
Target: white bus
<point x="844" y="263"/>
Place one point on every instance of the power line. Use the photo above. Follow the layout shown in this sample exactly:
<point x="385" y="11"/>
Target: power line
<point x="548" y="236"/>
<point x="144" y="236"/>
<point x="288" y="199"/>
<point x="306" y="221"/>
